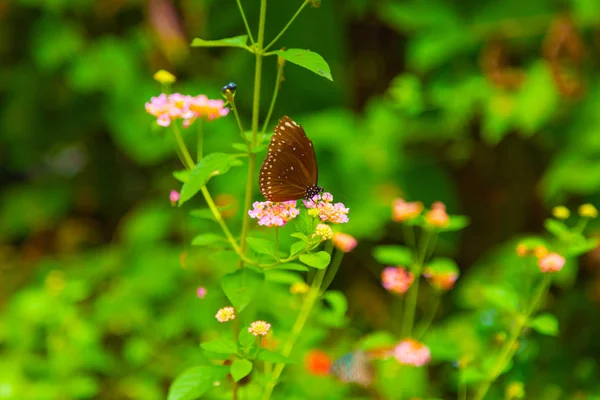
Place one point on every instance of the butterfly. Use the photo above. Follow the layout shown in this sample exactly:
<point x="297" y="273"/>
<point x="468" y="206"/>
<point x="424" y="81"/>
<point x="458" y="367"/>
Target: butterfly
<point x="354" y="367"/>
<point x="290" y="171"/>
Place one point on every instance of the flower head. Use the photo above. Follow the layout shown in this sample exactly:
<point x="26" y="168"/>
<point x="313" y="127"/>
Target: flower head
<point x="318" y="362"/>
<point x="322" y="206"/>
<point x="271" y="213"/>
<point x="437" y="216"/>
<point x="441" y="280"/>
<point x="201" y="292"/>
<point x="188" y="108"/>
<point x="561" y="212"/>
<point x="324" y="231"/>
<point x="225" y="314"/>
<point x="588" y="211"/>
<point x="344" y="242"/>
<point x="552" y="262"/>
<point x="522" y="250"/>
<point x="405" y="211"/>
<point x="411" y="352"/>
<point x="174" y="197"/>
<point x="259" y="328"/>
<point x="540" y="251"/>
<point x="397" y="279"/>
<point x="299" y="288"/>
<point x="164" y="77"/>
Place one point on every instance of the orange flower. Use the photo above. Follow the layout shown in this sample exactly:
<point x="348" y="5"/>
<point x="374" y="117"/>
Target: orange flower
<point x="318" y="363"/>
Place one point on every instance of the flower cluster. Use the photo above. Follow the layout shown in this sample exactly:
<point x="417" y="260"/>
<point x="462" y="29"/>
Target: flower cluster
<point x="167" y="108"/>
<point x="397" y="279"/>
<point x="344" y="242"/>
<point x="411" y="352"/>
<point x="405" y="211"/>
<point x="259" y="328"/>
<point x="552" y="262"/>
<point x="323" y="231"/>
<point x="225" y="314"/>
<point x="322" y="206"/>
<point x="437" y="216"/>
<point x="271" y="213"/>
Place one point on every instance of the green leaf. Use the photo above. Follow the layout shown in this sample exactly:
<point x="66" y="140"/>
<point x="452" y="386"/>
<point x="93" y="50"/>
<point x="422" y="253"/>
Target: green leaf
<point x="221" y="346"/>
<point x="456" y="223"/>
<point x="261" y="246"/>
<point x="297" y="247"/>
<point x="557" y="228"/>
<point x="307" y="59"/>
<point x="291" y="267"/>
<point x="196" y="381"/>
<point x="236" y="41"/>
<point x="281" y="276"/>
<point x="317" y="260"/>
<point x="211" y="165"/>
<point x="182" y="176"/>
<point x="337" y="301"/>
<point x="247" y="340"/>
<point x="501" y="298"/>
<point x="393" y="255"/>
<point x="242" y="286"/>
<point x="240" y="368"/>
<point x="206" y="213"/>
<point x="208" y="239"/>
<point x="267" y="355"/>
<point x="378" y="340"/>
<point x="240" y="146"/>
<point x="304" y="223"/>
<point x="580" y="246"/>
<point x="546" y="324"/>
<point x="300" y="236"/>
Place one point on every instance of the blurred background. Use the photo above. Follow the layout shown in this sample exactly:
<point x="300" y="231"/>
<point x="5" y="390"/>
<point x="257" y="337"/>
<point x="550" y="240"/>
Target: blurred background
<point x="490" y="107"/>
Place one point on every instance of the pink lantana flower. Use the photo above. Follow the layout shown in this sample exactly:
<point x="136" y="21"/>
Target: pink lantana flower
<point x="344" y="242"/>
<point x="271" y="213"/>
<point x="322" y="206"/>
<point x="552" y="262"/>
<point x="397" y="279"/>
<point x="404" y="211"/>
<point x="174" y="197"/>
<point x="411" y="352"/>
<point x="167" y="108"/>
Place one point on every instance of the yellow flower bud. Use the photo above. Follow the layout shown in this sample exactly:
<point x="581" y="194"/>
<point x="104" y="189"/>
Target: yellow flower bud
<point x="588" y="211"/>
<point x="561" y="212"/>
<point x="164" y="77"/>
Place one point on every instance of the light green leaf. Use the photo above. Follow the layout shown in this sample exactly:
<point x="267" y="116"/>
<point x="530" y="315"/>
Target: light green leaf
<point x="317" y="260"/>
<point x="300" y="236"/>
<point x="261" y="246"/>
<point x="546" y="324"/>
<point x="337" y="301"/>
<point x="208" y="239"/>
<point x="267" y="355"/>
<point x="501" y="298"/>
<point x="246" y="339"/>
<point x="281" y="276"/>
<point x="457" y="222"/>
<point x="240" y="368"/>
<point x="297" y="247"/>
<point x="183" y="175"/>
<point x="221" y="346"/>
<point x="236" y="41"/>
<point x="393" y="255"/>
<point x="242" y="286"/>
<point x="441" y="265"/>
<point x="378" y="340"/>
<point x="196" y="381"/>
<point x="307" y="59"/>
<point x="291" y="267"/>
<point x="557" y="228"/>
<point x="581" y="245"/>
<point x="211" y="165"/>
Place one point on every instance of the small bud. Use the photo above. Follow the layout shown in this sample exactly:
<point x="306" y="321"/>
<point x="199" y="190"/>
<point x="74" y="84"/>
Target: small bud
<point x="515" y="391"/>
<point x="561" y="212"/>
<point x="315" y="3"/>
<point x="174" y="197"/>
<point x="164" y="77"/>
<point x="299" y="288"/>
<point x="588" y="211"/>
<point x="522" y="250"/>
<point x="540" y="251"/>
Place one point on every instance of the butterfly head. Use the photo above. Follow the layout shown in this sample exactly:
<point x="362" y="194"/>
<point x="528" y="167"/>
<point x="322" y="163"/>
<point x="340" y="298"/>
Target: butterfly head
<point x="312" y="191"/>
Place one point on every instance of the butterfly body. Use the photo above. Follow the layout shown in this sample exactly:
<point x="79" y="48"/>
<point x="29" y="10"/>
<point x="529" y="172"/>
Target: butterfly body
<point x="290" y="171"/>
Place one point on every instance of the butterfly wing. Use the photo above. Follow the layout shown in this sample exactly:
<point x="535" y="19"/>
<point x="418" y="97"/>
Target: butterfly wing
<point x="291" y="165"/>
<point x="354" y="367"/>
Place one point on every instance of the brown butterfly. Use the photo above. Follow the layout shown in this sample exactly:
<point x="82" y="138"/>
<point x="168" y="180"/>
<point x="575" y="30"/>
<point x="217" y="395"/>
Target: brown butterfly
<point x="290" y="171"/>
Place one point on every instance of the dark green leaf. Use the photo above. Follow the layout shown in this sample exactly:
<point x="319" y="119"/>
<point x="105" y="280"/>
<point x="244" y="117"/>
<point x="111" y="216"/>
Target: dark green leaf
<point x="393" y="255"/>
<point x="307" y="59"/>
<point x="546" y="324"/>
<point x="261" y="246"/>
<point x="318" y="260"/>
<point x="267" y="355"/>
<point x="196" y="381"/>
<point x="242" y="286"/>
<point x="236" y="41"/>
<point x="211" y="165"/>
<point x="240" y="368"/>
<point x="208" y="239"/>
<point x="221" y="346"/>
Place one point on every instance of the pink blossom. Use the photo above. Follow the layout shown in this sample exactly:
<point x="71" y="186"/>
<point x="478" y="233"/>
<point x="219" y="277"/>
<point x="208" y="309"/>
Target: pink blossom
<point x="201" y="292"/>
<point x="188" y="108"/>
<point x="411" y="352"/>
<point x="344" y="242"/>
<point x="174" y="197"/>
<point x="404" y="211"/>
<point x="397" y="279"/>
<point x="552" y="262"/>
<point x="271" y="213"/>
<point x="327" y="211"/>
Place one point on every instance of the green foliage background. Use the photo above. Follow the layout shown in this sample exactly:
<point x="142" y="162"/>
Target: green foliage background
<point x="96" y="300"/>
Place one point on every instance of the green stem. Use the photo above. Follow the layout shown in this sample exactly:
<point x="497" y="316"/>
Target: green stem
<point x="274" y="98"/>
<point x="285" y="28"/>
<point x="311" y="297"/>
<point x="243" y="14"/>
<point x="239" y="123"/>
<point x="188" y="161"/>
<point x="334" y="266"/>
<point x="200" y="143"/>
<point x="277" y="243"/>
<point x="432" y="310"/>
<point x="409" y="236"/>
<point x="413" y="292"/>
<point x="510" y="347"/>
<point x="255" y="116"/>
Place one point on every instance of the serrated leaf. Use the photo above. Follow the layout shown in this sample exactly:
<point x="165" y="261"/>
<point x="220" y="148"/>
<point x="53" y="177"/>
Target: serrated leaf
<point x="261" y="246"/>
<point x="236" y="41"/>
<point x="297" y="247"/>
<point x="240" y="368"/>
<point x="220" y="346"/>
<point x="196" y="381"/>
<point x="267" y="355"/>
<point x="546" y="324"/>
<point x="307" y="59"/>
<point x="242" y="286"/>
<point x="211" y="165"/>
<point x="501" y="298"/>
<point x="319" y="260"/>
<point x="208" y="239"/>
<point x="393" y="255"/>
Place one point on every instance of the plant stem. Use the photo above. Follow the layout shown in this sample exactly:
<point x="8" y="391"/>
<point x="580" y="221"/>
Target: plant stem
<point x="274" y="98"/>
<point x="285" y="28"/>
<point x="200" y="142"/>
<point x="255" y="116"/>
<point x="432" y="310"/>
<point x="332" y="269"/>
<point x="239" y="123"/>
<point x="243" y="14"/>
<point x="510" y="347"/>
<point x="188" y="162"/>
<point x="311" y="297"/>
<point x="413" y="292"/>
